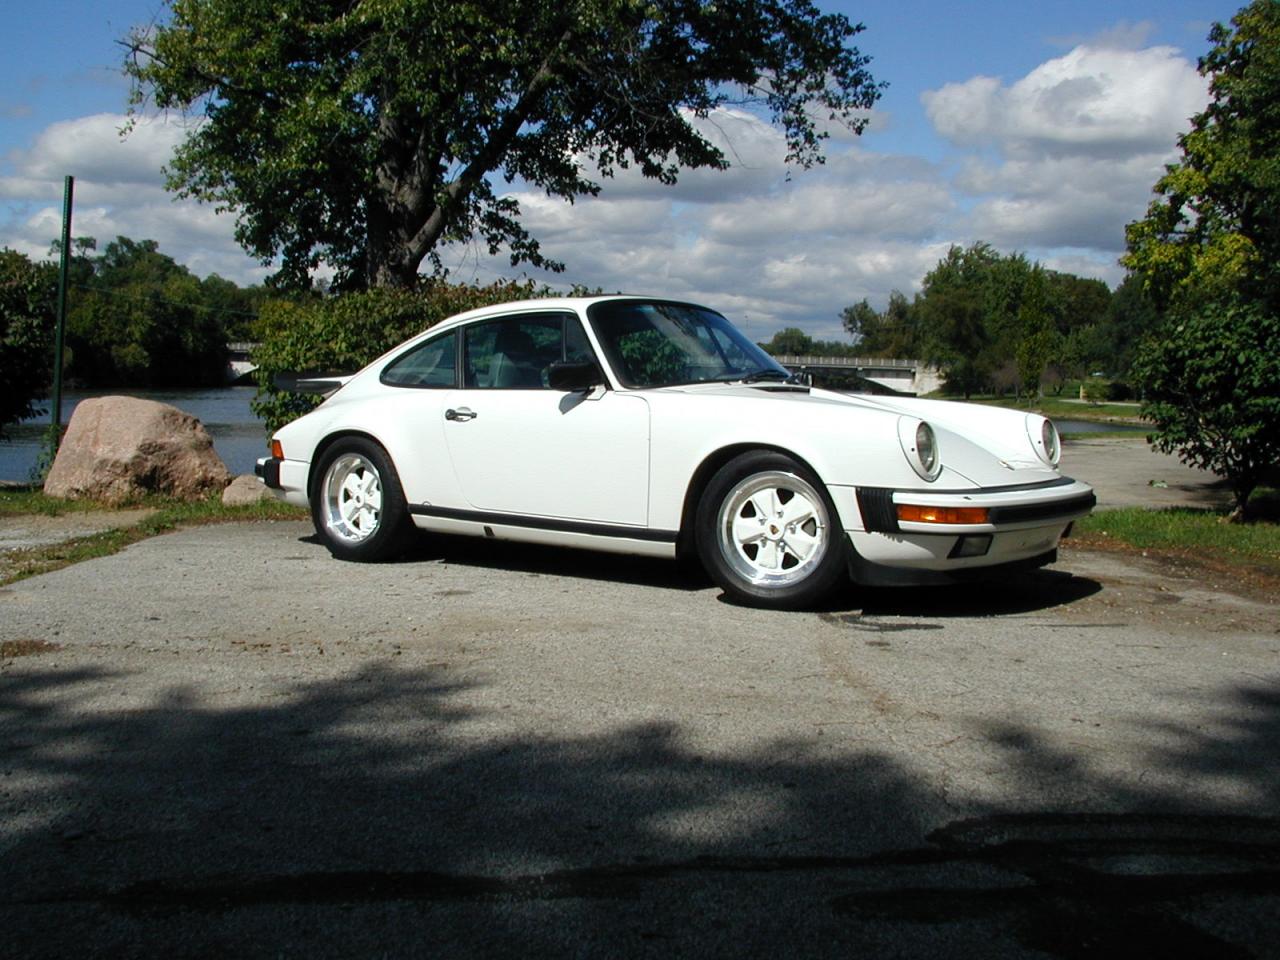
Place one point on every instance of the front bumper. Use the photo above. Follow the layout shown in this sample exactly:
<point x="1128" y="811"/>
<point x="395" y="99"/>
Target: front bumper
<point x="1023" y="526"/>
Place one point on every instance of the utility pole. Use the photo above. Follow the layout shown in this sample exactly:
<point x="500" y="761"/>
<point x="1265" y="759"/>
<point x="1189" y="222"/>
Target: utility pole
<point x="68" y="185"/>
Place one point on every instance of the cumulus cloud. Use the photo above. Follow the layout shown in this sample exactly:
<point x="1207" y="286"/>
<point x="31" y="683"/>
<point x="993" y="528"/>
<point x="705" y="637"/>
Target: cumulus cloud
<point x="119" y="191"/>
<point x="1103" y="101"/>
<point x="1065" y="156"/>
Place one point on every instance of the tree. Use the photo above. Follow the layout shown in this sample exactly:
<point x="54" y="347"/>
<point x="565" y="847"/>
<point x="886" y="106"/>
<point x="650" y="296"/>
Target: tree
<point x="791" y="341"/>
<point x="1207" y="253"/>
<point x="27" y="292"/>
<point x="366" y="134"/>
<point x="1212" y="386"/>
<point x="893" y="333"/>
<point x="138" y="318"/>
<point x="1214" y="230"/>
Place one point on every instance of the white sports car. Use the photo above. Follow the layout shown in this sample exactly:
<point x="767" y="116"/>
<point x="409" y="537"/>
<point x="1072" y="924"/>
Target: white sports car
<point x="654" y="427"/>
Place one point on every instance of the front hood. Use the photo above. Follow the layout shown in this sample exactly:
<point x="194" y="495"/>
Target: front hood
<point x="987" y="446"/>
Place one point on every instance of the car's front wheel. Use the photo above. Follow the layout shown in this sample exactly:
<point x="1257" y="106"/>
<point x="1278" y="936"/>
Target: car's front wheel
<point x="766" y="532"/>
<point x="357" y="505"/>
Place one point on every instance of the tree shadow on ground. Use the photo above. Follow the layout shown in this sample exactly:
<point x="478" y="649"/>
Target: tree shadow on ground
<point x="383" y="813"/>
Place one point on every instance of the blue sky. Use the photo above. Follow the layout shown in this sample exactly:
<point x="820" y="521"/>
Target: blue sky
<point x="1037" y="126"/>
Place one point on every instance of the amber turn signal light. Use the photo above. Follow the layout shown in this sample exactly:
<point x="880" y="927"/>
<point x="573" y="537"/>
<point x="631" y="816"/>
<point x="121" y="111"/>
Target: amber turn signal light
<point x="913" y="513"/>
<point x="277" y="450"/>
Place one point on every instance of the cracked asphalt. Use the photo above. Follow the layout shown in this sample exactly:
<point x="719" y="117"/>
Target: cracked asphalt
<point x="222" y="741"/>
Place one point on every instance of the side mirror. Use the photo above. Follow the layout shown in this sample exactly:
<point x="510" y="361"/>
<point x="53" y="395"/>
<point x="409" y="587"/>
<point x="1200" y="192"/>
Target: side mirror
<point x="574" y="375"/>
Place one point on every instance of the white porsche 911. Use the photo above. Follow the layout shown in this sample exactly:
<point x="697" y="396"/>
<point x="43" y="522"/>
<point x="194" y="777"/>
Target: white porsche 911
<point x="655" y="427"/>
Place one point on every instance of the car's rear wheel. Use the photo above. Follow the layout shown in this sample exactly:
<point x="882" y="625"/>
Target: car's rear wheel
<point x="766" y="532"/>
<point x="357" y="506"/>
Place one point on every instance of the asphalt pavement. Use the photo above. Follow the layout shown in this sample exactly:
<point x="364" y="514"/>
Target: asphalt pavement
<point x="221" y="741"/>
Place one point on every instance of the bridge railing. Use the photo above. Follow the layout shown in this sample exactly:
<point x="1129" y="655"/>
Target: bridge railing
<point x="878" y="363"/>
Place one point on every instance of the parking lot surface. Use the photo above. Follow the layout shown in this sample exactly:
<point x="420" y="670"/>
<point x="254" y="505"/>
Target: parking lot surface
<point x="223" y="741"/>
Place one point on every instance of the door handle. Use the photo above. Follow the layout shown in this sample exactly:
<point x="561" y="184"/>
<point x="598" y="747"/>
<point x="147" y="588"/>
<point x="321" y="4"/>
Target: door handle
<point x="461" y="414"/>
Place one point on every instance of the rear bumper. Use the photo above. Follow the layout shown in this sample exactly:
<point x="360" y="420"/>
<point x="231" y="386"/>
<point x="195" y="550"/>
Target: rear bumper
<point x="287" y="479"/>
<point x="268" y="468"/>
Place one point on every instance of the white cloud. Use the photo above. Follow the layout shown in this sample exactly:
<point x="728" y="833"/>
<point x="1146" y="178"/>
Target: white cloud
<point x="1067" y="155"/>
<point x="119" y="191"/>
<point x="1103" y="101"/>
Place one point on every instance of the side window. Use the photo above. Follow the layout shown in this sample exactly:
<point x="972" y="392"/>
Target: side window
<point x="429" y="364"/>
<point x="576" y="348"/>
<point x="516" y="353"/>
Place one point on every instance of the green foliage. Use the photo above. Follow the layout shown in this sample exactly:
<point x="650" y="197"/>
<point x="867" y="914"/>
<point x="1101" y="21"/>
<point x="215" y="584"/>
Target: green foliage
<point x="364" y="135"/>
<point x="1208" y="254"/>
<point x="135" y="317"/>
<point x="345" y="333"/>
<point x="1214" y="230"/>
<point x="894" y="333"/>
<point x="988" y="319"/>
<point x="50" y="440"/>
<point x="1212" y="388"/>
<point x="27" y="316"/>
<point x="792" y="341"/>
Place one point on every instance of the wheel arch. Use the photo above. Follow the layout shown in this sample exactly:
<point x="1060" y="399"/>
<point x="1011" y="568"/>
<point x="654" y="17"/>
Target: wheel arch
<point x="323" y="447"/>
<point x="686" y="546"/>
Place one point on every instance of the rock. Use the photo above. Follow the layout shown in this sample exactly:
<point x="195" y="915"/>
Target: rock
<point x="119" y="448"/>
<point x="244" y="490"/>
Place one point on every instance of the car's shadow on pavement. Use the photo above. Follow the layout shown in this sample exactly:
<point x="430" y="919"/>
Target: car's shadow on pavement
<point x="550" y="561"/>
<point x="1023" y="592"/>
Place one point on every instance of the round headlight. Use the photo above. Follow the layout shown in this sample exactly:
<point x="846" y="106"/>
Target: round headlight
<point x="926" y="447"/>
<point x="920" y="446"/>
<point x="1049" y="437"/>
<point x="1043" y="436"/>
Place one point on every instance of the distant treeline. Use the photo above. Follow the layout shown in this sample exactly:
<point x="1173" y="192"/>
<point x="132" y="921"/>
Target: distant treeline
<point x="137" y="318"/>
<point x="997" y="322"/>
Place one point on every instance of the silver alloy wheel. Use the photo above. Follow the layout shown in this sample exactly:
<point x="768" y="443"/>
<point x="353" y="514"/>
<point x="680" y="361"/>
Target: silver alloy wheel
<point x="773" y="529"/>
<point x="352" y="498"/>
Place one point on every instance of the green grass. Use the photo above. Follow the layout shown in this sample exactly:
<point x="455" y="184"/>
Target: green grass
<point x="1059" y="408"/>
<point x="1194" y="533"/>
<point x="15" y="501"/>
<point x="168" y="515"/>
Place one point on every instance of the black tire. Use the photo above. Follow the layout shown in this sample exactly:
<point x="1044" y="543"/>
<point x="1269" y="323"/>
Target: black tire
<point x="798" y="555"/>
<point x="357" y="504"/>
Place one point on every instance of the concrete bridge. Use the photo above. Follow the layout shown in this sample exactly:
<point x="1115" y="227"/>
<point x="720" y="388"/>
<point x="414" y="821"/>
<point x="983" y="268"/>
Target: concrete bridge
<point x="238" y="364"/>
<point x="899" y="376"/>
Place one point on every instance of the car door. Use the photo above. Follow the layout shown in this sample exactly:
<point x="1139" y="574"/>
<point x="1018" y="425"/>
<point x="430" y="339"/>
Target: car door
<point x="519" y="447"/>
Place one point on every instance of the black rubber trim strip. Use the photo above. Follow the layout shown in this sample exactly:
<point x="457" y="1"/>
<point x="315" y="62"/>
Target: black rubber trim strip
<point x="546" y="523"/>
<point x="269" y="471"/>
<point x="1012" y="488"/>
<point x="1043" y="511"/>
<point x="878" y="512"/>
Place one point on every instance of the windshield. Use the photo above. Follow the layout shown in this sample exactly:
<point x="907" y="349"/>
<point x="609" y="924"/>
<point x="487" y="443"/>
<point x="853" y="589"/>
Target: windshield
<point x="658" y="344"/>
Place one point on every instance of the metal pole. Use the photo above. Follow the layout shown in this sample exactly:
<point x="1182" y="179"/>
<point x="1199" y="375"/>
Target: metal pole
<point x="68" y="185"/>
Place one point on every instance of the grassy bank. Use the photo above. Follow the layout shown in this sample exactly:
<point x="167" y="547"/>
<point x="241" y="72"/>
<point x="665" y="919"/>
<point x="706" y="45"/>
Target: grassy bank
<point x="164" y="515"/>
<point x="1192" y="534"/>
<point x="1060" y="408"/>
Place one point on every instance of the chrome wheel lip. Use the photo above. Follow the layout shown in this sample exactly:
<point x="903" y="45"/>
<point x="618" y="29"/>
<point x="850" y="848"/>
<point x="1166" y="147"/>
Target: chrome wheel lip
<point x="778" y="536"/>
<point x="352" y="492"/>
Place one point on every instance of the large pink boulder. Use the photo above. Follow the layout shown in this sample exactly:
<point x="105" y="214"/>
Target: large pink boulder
<point x="119" y="448"/>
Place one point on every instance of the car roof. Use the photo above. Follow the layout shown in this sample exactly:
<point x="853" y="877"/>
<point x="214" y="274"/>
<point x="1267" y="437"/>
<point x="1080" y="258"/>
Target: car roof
<point x="575" y="304"/>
